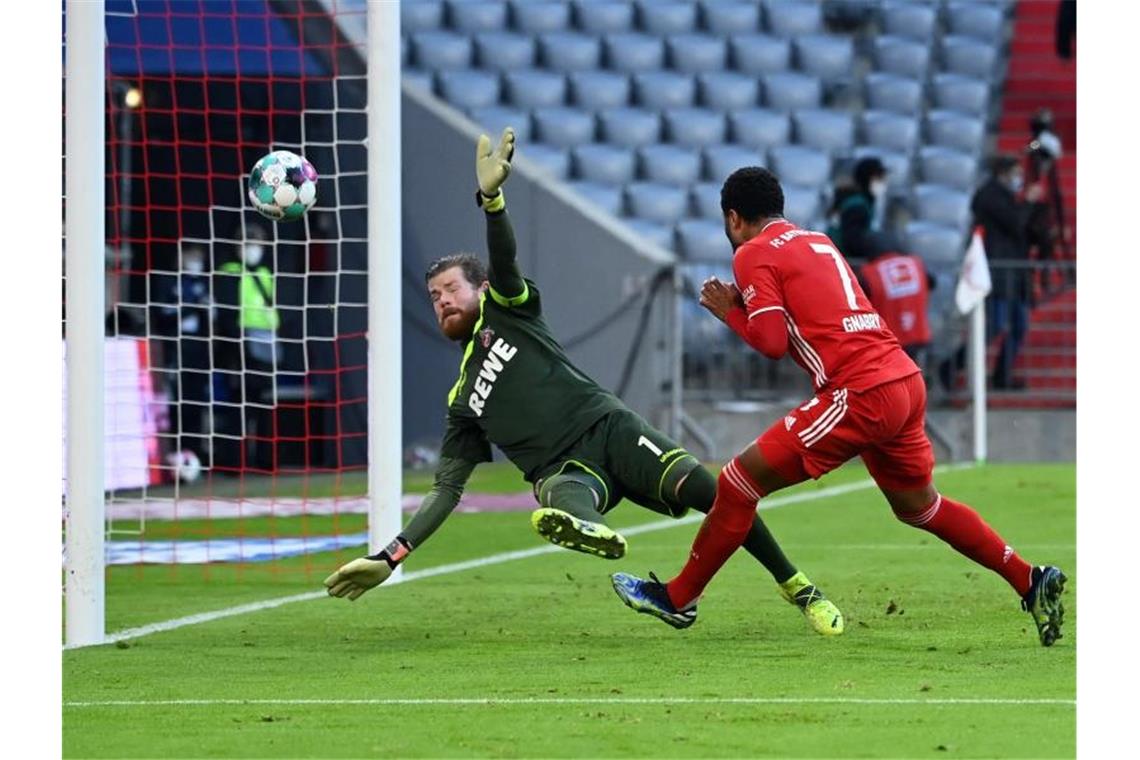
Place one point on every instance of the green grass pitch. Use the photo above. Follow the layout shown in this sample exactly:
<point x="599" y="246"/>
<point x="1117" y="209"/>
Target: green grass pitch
<point x="537" y="657"/>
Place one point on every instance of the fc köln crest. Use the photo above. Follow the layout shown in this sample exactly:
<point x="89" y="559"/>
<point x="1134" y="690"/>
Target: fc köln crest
<point x="485" y="336"/>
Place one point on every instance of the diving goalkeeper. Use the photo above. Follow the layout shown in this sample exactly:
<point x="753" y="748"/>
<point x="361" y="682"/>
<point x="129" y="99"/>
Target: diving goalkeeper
<point x="577" y="444"/>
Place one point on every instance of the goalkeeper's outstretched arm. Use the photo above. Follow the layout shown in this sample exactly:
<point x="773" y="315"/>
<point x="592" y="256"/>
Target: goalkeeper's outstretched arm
<point x="359" y="575"/>
<point x="492" y="167"/>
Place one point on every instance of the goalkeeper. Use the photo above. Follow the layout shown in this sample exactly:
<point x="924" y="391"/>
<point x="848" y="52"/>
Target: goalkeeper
<point x="578" y="445"/>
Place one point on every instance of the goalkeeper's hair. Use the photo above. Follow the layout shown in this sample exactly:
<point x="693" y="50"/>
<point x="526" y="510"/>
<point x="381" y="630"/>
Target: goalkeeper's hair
<point x="473" y="268"/>
<point x="753" y="192"/>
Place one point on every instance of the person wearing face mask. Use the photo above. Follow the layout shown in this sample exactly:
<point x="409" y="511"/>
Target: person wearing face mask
<point x="1047" y="229"/>
<point x="858" y="210"/>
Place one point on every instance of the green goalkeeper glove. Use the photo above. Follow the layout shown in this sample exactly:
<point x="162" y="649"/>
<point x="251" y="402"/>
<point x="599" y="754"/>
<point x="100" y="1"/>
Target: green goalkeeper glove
<point x="493" y="166"/>
<point x="356" y="577"/>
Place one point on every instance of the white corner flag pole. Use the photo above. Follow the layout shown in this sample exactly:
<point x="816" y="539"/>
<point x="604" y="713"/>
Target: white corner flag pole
<point x="385" y="394"/>
<point x="978" y="380"/>
<point x="85" y="89"/>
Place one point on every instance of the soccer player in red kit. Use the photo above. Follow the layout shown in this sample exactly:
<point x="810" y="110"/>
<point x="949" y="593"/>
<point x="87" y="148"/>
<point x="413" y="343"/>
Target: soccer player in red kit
<point x="795" y="292"/>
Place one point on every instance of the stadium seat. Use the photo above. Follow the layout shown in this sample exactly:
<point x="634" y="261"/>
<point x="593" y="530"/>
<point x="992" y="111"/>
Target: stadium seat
<point x="758" y="54"/>
<point x="979" y="20"/>
<point x="655" y="232"/>
<point x="889" y="130"/>
<point x="797" y="165"/>
<point x="694" y="127"/>
<point x="703" y="240"/>
<point x="534" y="88"/>
<point x="537" y="17"/>
<point x="441" y="50"/>
<point x="830" y="57"/>
<point x="494" y="119"/>
<point x="706" y="201"/>
<point x="605" y="164"/>
<point x="554" y="161"/>
<point x="901" y="56"/>
<point x="941" y="205"/>
<point x="630" y="127"/>
<point x="470" y="16"/>
<point x="570" y="51"/>
<point x="723" y="160"/>
<point x="504" y="51"/>
<point x="421" y="16"/>
<point x="945" y="166"/>
<point x="633" y="52"/>
<point x="664" y="89"/>
<point x="610" y="198"/>
<point x="955" y="92"/>
<point x="468" y="88"/>
<point x="563" y="127"/>
<point x="696" y="53"/>
<point x="936" y="244"/>
<point x="908" y="19"/>
<point x="424" y="80"/>
<point x="788" y="19"/>
<point x="665" y="204"/>
<point x="760" y="128"/>
<point x="725" y="17"/>
<point x="725" y="90"/>
<point x="955" y="130"/>
<point x="969" y="56"/>
<point x="801" y="204"/>
<point x="788" y="90"/>
<point x="603" y="17"/>
<point x="897" y="163"/>
<point x="666" y="16"/>
<point x="889" y="92"/>
<point x="595" y="90"/>
<point x="826" y="129"/>
<point x="669" y="164"/>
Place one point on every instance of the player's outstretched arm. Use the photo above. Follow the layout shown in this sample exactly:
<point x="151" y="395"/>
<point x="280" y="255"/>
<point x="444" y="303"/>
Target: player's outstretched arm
<point x="354" y="578"/>
<point x="492" y="167"/>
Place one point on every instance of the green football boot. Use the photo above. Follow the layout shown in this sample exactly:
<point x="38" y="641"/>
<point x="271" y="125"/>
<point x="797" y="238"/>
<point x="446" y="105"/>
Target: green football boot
<point x="823" y="616"/>
<point x="566" y="530"/>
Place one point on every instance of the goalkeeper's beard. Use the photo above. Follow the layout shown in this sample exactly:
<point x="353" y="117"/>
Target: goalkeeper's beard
<point x="458" y="324"/>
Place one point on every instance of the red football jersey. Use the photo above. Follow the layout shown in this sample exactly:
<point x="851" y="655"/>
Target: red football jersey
<point x="833" y="331"/>
<point x="897" y="288"/>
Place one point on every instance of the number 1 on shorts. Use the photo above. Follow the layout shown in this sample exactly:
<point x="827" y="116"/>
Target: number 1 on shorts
<point x="643" y="441"/>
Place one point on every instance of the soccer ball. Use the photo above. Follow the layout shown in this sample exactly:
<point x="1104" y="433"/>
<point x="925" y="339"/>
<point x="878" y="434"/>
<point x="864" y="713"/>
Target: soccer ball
<point x="282" y="186"/>
<point x="186" y="465"/>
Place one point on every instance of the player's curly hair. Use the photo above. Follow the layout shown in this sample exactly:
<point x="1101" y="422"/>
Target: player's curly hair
<point x="473" y="268"/>
<point x="753" y="192"/>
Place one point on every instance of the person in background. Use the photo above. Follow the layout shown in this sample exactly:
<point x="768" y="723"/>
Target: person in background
<point x="898" y="286"/>
<point x="1047" y="229"/>
<point x="859" y="208"/>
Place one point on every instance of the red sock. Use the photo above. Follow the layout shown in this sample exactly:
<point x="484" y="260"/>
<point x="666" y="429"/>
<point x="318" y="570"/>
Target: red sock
<point x="965" y="530"/>
<point x="721" y="533"/>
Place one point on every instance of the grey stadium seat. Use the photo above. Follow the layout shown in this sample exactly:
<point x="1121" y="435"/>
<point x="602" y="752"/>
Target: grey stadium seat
<point x="669" y="164"/>
<point x="969" y="56"/>
<point x="797" y="165"/>
<point x="723" y="160"/>
<point x="664" y="89"/>
<point x="504" y="51"/>
<point x="703" y="240"/>
<point x="897" y="163"/>
<point x="476" y="15"/>
<point x="603" y="17"/>
<point x="563" y="127"/>
<point x="826" y="129"/>
<point x="935" y="244"/>
<point x="902" y="56"/>
<point x="726" y="17"/>
<point x="660" y="233"/>
<point x="441" y="50"/>
<point x="424" y="80"/>
<point x="706" y="200"/>
<point x="694" y="127"/>
<point x="570" y="51"/>
<point x="801" y="204"/>
<point x="421" y="16"/>
<point x="889" y="92"/>
<point x="602" y="163"/>
<point x="725" y="90"/>
<point x="979" y="20"/>
<point x="469" y="88"/>
<point x="828" y="56"/>
<point x="494" y="119"/>
<point x="665" y="204"/>
<point x="946" y="166"/>
<point x="786" y="18"/>
<point x="955" y="130"/>
<point x="632" y="52"/>
<point x="955" y="92"/>
<point x="666" y="17"/>
<point x="889" y="130"/>
<point x="695" y="53"/>
<point x="760" y="128"/>
<point x="908" y="19"/>
<point x="789" y="90"/>
<point x="630" y="127"/>
<point x="759" y="53"/>
<point x="610" y="198"/>
<point x="554" y="161"/>
<point x="941" y="205"/>
<point x="537" y="17"/>
<point x="600" y="89"/>
<point x="534" y="88"/>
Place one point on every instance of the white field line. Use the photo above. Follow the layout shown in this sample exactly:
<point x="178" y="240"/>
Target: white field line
<point x="494" y="559"/>
<point x="508" y="701"/>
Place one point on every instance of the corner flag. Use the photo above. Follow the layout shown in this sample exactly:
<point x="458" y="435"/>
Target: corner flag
<point x="974" y="282"/>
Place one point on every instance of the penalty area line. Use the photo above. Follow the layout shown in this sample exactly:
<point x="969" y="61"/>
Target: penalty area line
<point x="493" y="559"/>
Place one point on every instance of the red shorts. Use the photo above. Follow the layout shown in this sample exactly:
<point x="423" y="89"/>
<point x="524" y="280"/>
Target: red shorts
<point x="885" y="425"/>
